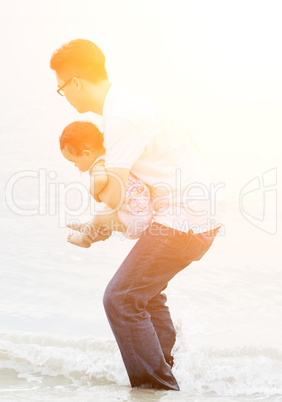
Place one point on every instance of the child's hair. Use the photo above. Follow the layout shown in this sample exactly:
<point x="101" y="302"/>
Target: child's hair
<point x="81" y="135"/>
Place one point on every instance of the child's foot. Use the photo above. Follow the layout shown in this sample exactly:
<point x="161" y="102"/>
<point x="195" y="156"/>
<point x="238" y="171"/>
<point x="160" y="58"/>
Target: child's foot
<point x="75" y="226"/>
<point x="79" y="240"/>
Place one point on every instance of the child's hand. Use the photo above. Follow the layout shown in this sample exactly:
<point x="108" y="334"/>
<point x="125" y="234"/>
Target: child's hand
<point x="87" y="227"/>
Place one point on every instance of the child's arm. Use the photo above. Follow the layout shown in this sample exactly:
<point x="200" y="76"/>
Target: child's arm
<point x="98" y="178"/>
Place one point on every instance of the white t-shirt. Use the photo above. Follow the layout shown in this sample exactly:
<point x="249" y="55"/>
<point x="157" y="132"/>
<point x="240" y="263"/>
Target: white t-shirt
<point x="141" y="137"/>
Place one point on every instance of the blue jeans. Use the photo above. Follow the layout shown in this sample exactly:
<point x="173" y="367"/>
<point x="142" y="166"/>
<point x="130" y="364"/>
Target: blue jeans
<point x="135" y="305"/>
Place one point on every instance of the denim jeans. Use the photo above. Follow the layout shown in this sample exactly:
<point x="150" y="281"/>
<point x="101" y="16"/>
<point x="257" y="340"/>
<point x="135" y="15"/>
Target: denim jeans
<point x="135" y="305"/>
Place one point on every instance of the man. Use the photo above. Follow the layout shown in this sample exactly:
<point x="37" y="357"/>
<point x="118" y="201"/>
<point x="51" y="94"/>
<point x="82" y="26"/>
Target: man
<point x="139" y="137"/>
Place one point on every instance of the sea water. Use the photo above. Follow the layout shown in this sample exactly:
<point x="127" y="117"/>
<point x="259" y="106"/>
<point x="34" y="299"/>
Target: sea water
<point x="55" y="341"/>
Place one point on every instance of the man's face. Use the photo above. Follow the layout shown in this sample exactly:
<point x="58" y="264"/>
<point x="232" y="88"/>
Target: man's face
<point x="73" y="91"/>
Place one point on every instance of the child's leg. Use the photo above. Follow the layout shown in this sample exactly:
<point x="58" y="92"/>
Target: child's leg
<point x="136" y="213"/>
<point x="79" y="239"/>
<point x="106" y="220"/>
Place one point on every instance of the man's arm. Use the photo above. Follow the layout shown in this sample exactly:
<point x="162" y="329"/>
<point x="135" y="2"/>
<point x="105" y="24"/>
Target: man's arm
<point x="124" y="142"/>
<point x="113" y="194"/>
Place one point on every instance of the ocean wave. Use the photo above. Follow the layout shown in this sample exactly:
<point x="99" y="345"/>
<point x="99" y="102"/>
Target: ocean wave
<point x="231" y="371"/>
<point x="43" y="358"/>
<point x="46" y="360"/>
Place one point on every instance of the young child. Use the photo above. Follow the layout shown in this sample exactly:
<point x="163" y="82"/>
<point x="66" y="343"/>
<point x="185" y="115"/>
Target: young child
<point x="82" y="144"/>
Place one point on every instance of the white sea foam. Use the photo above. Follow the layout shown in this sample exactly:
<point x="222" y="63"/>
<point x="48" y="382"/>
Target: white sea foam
<point x="233" y="371"/>
<point x="30" y="360"/>
<point x="36" y="358"/>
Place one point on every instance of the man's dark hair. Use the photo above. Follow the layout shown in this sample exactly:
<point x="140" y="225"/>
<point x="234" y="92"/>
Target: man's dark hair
<point x="79" y="58"/>
<point x="81" y="135"/>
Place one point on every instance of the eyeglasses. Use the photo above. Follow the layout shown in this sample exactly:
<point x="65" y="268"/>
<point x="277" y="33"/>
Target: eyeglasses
<point x="60" y="90"/>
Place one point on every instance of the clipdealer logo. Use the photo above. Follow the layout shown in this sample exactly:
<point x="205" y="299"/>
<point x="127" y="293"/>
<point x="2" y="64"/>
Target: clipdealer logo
<point x="52" y="198"/>
<point x="265" y="186"/>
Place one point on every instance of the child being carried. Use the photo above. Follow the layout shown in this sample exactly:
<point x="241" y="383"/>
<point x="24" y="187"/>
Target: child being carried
<point x="82" y="144"/>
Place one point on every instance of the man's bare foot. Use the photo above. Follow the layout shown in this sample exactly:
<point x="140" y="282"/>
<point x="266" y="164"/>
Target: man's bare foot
<point x="80" y="240"/>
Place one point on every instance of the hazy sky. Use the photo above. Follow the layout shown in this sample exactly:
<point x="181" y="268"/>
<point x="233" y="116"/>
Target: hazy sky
<point x="215" y="64"/>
